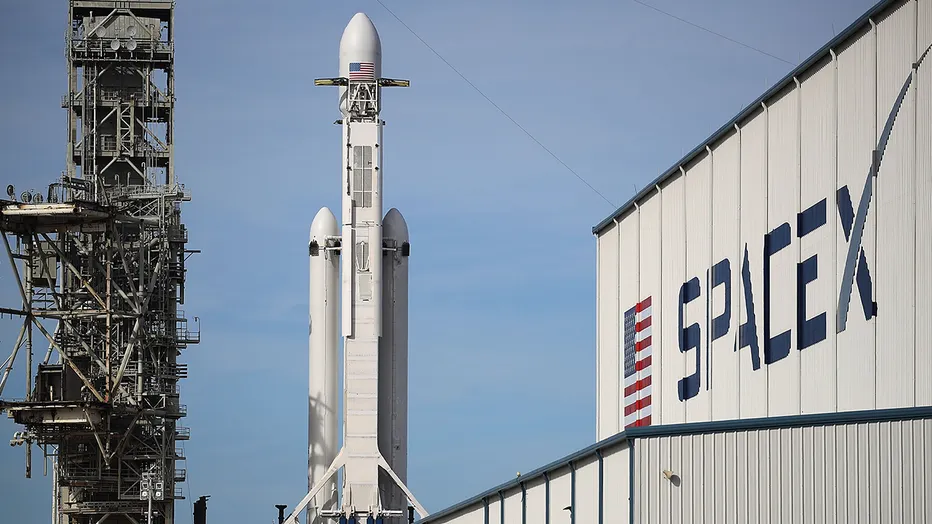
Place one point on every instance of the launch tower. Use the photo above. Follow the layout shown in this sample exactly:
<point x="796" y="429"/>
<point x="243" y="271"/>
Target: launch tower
<point x="99" y="263"/>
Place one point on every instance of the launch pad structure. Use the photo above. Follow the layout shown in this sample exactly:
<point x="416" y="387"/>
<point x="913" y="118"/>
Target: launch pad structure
<point x="99" y="265"/>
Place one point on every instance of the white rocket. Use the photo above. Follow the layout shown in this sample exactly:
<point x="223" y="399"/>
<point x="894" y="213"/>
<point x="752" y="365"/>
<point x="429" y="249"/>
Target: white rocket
<point x="362" y="265"/>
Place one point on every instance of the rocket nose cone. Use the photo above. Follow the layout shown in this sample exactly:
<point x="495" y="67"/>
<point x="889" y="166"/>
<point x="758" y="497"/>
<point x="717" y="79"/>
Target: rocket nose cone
<point x="361" y="20"/>
<point x="360" y="43"/>
<point x="394" y="226"/>
<point x="360" y="35"/>
<point x="324" y="224"/>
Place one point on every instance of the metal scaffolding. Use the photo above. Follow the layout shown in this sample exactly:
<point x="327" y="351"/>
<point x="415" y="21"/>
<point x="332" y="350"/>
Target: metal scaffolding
<point x="99" y="259"/>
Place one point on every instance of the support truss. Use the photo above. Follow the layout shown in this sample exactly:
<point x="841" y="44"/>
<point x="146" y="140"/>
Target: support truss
<point x="99" y="264"/>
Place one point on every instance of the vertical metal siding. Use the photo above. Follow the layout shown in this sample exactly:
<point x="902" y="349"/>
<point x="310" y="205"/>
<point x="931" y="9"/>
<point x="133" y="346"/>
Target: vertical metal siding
<point x="899" y="499"/>
<point x="709" y="477"/>
<point x="723" y="360"/>
<point x="782" y="206"/>
<point x="698" y="470"/>
<point x="628" y="296"/>
<point x="884" y="457"/>
<point x="649" y="235"/>
<point x="895" y="280"/>
<point x="834" y="469"/>
<point x="513" y="506"/>
<point x="882" y="481"/>
<point x="536" y="502"/>
<point x="877" y="457"/>
<point x="916" y="493"/>
<point x="699" y="229"/>
<point x="608" y="360"/>
<point x="922" y="454"/>
<point x="472" y="515"/>
<point x="905" y="471"/>
<point x="817" y="182"/>
<point x="793" y="456"/>
<point x="849" y="458"/>
<point x="826" y="483"/>
<point x="924" y="480"/>
<point x="923" y="291"/>
<point x="675" y="496"/>
<point x="811" y="467"/>
<point x="855" y="478"/>
<point x="601" y="345"/>
<point x="495" y="511"/>
<point x="742" y="478"/>
<point x="615" y="473"/>
<point x="684" y="498"/>
<point x="768" y="475"/>
<point x="865" y="458"/>
<point x="673" y="273"/>
<point x="586" y="508"/>
<point x="637" y="505"/>
<point x="753" y="382"/>
<point x="652" y="481"/>
<point x="559" y="496"/>
<point x="663" y="492"/>
<point x="725" y="474"/>
<point x="756" y="484"/>
<point x="857" y="137"/>
<point x="647" y="507"/>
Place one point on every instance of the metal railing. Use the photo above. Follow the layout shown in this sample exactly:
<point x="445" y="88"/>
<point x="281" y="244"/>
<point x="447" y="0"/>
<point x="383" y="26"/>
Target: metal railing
<point x="85" y="46"/>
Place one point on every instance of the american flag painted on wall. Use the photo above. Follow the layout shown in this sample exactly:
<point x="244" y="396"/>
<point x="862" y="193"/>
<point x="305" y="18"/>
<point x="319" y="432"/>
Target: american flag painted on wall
<point x="362" y="71"/>
<point x="637" y="352"/>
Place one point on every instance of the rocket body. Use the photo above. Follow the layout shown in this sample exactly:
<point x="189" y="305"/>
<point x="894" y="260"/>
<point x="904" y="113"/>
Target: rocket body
<point x="359" y="276"/>
<point x="324" y="337"/>
<point x="393" y="356"/>
<point x="361" y="307"/>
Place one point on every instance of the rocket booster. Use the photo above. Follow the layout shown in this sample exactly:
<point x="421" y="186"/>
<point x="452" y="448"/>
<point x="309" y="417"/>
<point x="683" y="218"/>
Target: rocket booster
<point x="359" y="278"/>
<point x="322" y="377"/>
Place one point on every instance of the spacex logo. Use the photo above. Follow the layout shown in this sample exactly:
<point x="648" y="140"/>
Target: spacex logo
<point x="809" y="330"/>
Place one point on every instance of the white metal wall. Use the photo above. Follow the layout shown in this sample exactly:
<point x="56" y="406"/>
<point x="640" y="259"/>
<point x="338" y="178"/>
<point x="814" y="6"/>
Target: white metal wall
<point x="579" y="480"/>
<point x="871" y="472"/>
<point x="923" y="202"/>
<point x="870" y="466"/>
<point x="794" y="172"/>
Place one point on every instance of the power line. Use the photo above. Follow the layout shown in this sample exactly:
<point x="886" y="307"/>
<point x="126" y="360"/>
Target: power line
<point x="697" y="26"/>
<point x="496" y="106"/>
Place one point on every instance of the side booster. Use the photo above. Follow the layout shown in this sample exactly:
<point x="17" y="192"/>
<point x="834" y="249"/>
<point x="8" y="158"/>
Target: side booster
<point x="359" y="280"/>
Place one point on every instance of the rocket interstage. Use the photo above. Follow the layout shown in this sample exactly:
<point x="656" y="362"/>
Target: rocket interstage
<point x="359" y="290"/>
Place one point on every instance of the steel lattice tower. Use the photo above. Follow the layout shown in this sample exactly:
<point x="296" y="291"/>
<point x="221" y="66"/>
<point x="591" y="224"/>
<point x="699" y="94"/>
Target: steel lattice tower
<point x="100" y="263"/>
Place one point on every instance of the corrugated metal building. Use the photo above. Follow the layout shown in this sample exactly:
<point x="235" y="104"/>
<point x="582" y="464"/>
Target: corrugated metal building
<point x="786" y="259"/>
<point x="867" y="466"/>
<point x="765" y="312"/>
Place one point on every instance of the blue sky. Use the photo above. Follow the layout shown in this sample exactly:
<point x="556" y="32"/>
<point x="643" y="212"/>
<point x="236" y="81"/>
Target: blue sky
<point x="502" y="314"/>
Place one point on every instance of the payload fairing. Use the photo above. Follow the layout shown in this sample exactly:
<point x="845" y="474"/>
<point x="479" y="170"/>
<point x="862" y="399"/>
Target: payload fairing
<point x="359" y="280"/>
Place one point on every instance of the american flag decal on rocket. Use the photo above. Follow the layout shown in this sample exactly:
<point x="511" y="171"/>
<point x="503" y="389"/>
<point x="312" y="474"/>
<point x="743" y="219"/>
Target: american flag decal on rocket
<point x="637" y="369"/>
<point x="361" y="71"/>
